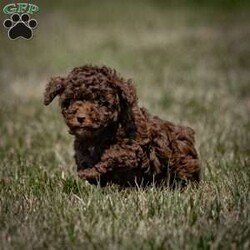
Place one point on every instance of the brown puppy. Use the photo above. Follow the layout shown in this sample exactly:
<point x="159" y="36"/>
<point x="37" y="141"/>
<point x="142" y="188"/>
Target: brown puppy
<point x="116" y="141"/>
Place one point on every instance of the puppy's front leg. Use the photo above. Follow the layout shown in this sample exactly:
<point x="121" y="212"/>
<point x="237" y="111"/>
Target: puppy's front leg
<point x="116" y="160"/>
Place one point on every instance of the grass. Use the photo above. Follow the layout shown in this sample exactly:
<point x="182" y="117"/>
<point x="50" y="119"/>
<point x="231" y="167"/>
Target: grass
<point x="190" y="65"/>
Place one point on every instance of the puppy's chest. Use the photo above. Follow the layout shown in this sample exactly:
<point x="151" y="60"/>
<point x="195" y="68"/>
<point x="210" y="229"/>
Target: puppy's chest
<point x="95" y="153"/>
<point x="92" y="152"/>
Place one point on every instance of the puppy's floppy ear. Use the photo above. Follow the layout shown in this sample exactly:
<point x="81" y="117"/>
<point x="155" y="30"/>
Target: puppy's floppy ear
<point x="53" y="88"/>
<point x="128" y="100"/>
<point x="127" y="92"/>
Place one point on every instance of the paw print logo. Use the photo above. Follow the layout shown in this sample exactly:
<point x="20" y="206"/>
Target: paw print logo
<point x="20" y="26"/>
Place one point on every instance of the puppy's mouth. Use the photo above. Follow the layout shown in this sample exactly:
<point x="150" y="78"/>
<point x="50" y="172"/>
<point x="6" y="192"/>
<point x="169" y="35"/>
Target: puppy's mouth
<point x="84" y="131"/>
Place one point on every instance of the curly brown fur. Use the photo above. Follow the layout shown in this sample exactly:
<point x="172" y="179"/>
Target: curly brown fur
<point x="116" y="141"/>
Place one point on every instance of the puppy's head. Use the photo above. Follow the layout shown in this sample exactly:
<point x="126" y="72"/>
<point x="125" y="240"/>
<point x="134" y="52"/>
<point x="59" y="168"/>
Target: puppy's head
<point x="91" y="99"/>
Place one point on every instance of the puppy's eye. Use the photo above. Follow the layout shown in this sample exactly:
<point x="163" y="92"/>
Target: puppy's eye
<point x="66" y="103"/>
<point x="103" y="102"/>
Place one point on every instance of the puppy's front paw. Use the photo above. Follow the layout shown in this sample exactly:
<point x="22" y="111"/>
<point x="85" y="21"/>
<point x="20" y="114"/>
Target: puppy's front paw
<point x="88" y="173"/>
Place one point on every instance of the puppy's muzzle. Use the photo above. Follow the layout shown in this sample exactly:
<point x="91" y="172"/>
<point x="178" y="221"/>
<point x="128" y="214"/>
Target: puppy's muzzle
<point x="81" y="118"/>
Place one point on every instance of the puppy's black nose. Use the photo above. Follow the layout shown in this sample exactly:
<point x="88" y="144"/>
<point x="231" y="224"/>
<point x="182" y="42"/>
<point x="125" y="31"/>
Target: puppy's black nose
<point x="80" y="118"/>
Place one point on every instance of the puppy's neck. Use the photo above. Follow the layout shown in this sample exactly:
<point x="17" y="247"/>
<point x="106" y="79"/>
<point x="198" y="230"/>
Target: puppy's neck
<point x="104" y="137"/>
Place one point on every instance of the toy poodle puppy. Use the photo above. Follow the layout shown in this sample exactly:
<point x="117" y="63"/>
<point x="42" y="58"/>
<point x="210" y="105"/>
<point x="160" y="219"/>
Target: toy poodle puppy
<point x="116" y="141"/>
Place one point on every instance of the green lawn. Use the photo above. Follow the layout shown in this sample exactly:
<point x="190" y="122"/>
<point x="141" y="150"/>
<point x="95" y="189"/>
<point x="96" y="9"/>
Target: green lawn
<point x="190" y="64"/>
